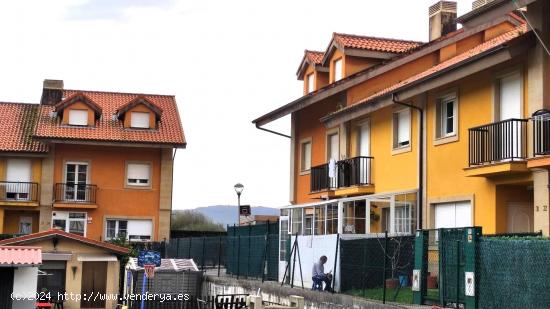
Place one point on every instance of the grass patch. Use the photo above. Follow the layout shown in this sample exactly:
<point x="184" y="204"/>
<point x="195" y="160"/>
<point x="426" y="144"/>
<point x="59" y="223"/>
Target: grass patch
<point x="403" y="296"/>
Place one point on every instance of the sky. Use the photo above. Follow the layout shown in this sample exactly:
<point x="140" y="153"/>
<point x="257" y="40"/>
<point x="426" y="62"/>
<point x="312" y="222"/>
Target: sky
<point x="227" y="62"/>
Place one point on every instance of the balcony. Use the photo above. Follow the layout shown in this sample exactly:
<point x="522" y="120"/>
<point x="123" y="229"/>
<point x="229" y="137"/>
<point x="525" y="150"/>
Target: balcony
<point x="541" y="140"/>
<point x="350" y="173"/>
<point x="71" y="195"/>
<point x="498" y="148"/>
<point x="19" y="193"/>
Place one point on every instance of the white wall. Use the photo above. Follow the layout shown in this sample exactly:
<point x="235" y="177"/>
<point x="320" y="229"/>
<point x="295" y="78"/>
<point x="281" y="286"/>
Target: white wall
<point x="311" y="248"/>
<point x="24" y="284"/>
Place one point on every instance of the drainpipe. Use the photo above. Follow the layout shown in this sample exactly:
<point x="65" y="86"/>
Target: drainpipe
<point x="419" y="224"/>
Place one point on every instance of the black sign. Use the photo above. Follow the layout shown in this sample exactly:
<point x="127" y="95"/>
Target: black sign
<point x="244" y="210"/>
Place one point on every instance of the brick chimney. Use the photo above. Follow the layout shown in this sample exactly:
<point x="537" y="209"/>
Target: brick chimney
<point x="52" y="92"/>
<point x="442" y="19"/>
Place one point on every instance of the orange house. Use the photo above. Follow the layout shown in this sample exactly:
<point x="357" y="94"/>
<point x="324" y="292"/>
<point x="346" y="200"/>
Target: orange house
<point x="105" y="163"/>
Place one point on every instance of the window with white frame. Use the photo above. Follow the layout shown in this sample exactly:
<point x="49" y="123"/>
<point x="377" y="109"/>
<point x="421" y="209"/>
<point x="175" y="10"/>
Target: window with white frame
<point x="305" y="156"/>
<point x="140" y="120"/>
<point x="402" y="218"/>
<point x="333" y="146"/>
<point x="140" y="230"/>
<point x="446" y="116"/>
<point x="308" y="221"/>
<point x="338" y="74"/>
<point x="296" y="221"/>
<point x="283" y="235"/>
<point x="355" y="217"/>
<point x="116" y="229"/>
<point x="401" y="128"/>
<point x="310" y="82"/>
<point x="332" y="218"/>
<point x="138" y="174"/>
<point x="18" y="177"/>
<point x="71" y="222"/>
<point x="78" y="117"/>
<point x="320" y="219"/>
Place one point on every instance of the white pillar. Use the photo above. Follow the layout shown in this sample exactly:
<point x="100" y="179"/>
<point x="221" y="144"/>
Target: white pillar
<point x="340" y="217"/>
<point x="367" y="217"/>
<point x="392" y="215"/>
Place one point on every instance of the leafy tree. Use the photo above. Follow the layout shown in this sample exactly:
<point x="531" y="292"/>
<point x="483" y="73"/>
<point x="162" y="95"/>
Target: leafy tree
<point x="191" y="220"/>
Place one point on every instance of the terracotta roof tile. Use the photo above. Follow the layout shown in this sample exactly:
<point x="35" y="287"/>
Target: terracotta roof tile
<point x="59" y="233"/>
<point x="314" y="57"/>
<point x="17" y="121"/>
<point x="448" y="63"/>
<point x="106" y="129"/>
<point x="374" y="43"/>
<point x="20" y="256"/>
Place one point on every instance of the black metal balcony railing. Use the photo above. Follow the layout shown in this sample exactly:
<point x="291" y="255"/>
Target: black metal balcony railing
<point x="75" y="193"/>
<point x="500" y="141"/>
<point x="541" y="133"/>
<point x="347" y="173"/>
<point x="18" y="191"/>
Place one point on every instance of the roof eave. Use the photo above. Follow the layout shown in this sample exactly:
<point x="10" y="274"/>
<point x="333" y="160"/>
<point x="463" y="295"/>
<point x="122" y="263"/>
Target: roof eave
<point x="489" y="11"/>
<point x="512" y="48"/>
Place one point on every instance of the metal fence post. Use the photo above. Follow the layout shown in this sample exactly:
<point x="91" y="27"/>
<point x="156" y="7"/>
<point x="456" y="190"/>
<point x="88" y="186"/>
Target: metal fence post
<point x="238" y="255"/>
<point x="471" y="277"/>
<point x="384" y="271"/>
<point x="420" y="271"/>
<point x="219" y="255"/>
<point x="203" y="253"/>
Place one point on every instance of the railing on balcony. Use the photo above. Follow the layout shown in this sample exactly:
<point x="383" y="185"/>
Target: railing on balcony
<point x="541" y="133"/>
<point x="75" y="193"/>
<point x="497" y="142"/>
<point x="18" y="191"/>
<point x="347" y="173"/>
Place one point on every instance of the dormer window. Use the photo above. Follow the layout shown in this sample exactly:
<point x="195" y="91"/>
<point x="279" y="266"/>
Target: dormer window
<point x="78" y="117"/>
<point x="139" y="113"/>
<point x="77" y="110"/>
<point x="140" y="120"/>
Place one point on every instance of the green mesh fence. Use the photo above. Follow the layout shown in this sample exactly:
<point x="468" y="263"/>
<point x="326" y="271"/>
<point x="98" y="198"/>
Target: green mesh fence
<point x="513" y="272"/>
<point x="362" y="266"/>
<point x="253" y="256"/>
<point x="205" y="251"/>
<point x="451" y="255"/>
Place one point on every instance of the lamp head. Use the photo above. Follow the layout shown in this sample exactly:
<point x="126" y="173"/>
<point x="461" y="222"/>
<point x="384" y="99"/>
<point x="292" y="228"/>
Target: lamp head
<point x="239" y="188"/>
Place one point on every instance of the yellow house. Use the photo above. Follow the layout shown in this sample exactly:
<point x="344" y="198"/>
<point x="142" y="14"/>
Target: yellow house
<point x="410" y="135"/>
<point x="20" y="170"/>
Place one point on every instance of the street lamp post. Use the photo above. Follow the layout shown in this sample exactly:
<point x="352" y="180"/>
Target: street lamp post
<point x="239" y="189"/>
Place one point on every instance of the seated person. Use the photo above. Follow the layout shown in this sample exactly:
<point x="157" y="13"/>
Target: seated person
<point x="318" y="273"/>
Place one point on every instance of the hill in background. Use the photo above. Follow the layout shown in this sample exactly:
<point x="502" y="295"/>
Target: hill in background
<point x="227" y="214"/>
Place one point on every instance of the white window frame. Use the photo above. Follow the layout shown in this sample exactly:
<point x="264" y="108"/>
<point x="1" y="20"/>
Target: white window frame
<point x="139" y="181"/>
<point x="442" y="123"/>
<point x="338" y="69"/>
<point x="76" y="117"/>
<point x="328" y="143"/>
<point x="305" y="168"/>
<point x="396" y="128"/>
<point x="137" y="120"/>
<point x="117" y="228"/>
<point x="310" y="80"/>
<point x="65" y="215"/>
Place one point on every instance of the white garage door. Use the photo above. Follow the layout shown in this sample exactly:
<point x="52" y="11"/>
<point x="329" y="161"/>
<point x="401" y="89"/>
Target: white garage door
<point x="455" y="214"/>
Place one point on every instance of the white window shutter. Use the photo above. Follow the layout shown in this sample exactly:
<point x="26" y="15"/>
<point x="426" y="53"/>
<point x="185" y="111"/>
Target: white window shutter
<point x="403" y="125"/>
<point x="78" y="117"/>
<point x="338" y="70"/>
<point x="139" y="228"/>
<point x="139" y="120"/>
<point x="139" y="171"/>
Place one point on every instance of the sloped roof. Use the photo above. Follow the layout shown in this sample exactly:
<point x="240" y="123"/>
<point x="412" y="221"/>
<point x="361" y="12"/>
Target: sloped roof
<point x="17" y="122"/>
<point x="311" y="57"/>
<point x="374" y="43"/>
<point x="20" y="256"/>
<point x="31" y="238"/>
<point x="486" y="46"/>
<point x="137" y="101"/>
<point x="169" y="131"/>
<point x="78" y="97"/>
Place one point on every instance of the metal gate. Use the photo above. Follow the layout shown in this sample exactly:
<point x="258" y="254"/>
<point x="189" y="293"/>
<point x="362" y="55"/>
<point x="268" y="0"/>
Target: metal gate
<point x="451" y="266"/>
